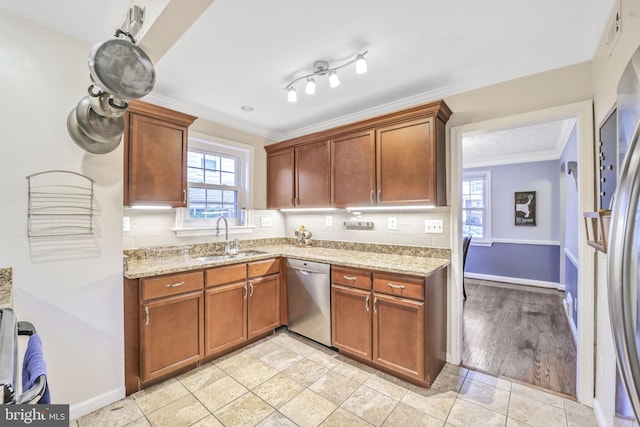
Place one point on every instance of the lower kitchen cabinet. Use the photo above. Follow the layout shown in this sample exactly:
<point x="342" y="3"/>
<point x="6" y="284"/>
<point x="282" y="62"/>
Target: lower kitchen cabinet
<point x="395" y="323"/>
<point x="351" y="321"/>
<point x="264" y="305"/>
<point x="247" y="307"/>
<point x="398" y="334"/>
<point x="225" y="317"/>
<point x="172" y="335"/>
<point x="177" y="321"/>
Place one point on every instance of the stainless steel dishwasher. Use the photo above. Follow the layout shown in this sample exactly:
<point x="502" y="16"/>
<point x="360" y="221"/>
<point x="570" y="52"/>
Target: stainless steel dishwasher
<point x="309" y="299"/>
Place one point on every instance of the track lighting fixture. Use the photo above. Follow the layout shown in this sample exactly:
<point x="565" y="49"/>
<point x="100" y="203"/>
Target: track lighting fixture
<point x="321" y="68"/>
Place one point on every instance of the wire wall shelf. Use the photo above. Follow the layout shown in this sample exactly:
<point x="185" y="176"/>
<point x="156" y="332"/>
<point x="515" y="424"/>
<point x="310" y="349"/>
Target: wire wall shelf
<point x="61" y="203"/>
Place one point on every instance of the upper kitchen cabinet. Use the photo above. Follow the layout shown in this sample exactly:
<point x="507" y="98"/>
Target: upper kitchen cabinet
<point x="155" y="155"/>
<point x="299" y="176"/>
<point x="394" y="159"/>
<point x="409" y="168"/>
<point x="353" y="169"/>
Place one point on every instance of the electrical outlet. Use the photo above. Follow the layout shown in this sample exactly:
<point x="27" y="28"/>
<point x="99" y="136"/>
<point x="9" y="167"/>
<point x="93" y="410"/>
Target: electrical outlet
<point x="265" y="221"/>
<point x="434" y="226"/>
<point x="328" y="220"/>
<point x="126" y="223"/>
<point x="393" y="223"/>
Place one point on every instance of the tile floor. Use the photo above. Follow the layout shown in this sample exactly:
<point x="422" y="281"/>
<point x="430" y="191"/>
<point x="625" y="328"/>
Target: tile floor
<point x="286" y="380"/>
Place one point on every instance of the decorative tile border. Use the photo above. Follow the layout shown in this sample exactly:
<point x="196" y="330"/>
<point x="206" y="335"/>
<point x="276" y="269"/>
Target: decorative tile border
<point x="203" y="249"/>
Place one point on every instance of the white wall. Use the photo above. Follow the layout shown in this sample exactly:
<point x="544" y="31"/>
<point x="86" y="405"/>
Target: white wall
<point x="153" y="228"/>
<point x="410" y="229"/>
<point x="74" y="300"/>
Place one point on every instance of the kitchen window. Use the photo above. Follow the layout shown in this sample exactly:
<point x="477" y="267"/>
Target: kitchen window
<point x="218" y="175"/>
<point x="213" y="180"/>
<point x="476" y="206"/>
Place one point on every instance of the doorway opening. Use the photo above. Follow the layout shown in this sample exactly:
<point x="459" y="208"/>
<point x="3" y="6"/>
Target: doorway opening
<point x="546" y="241"/>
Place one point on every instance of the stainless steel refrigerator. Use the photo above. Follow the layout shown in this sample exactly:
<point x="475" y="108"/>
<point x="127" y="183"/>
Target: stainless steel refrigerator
<point x="624" y="236"/>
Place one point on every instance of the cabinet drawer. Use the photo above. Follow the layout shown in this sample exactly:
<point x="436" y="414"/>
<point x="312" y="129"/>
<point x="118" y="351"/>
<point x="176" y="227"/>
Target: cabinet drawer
<point x="227" y="274"/>
<point x="264" y="268"/>
<point x="172" y="284"/>
<point x="351" y="277"/>
<point x="402" y="286"/>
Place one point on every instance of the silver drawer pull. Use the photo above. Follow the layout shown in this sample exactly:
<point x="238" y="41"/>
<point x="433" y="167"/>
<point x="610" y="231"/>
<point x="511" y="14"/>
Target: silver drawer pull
<point x="174" y="285"/>
<point x="146" y="312"/>
<point x="352" y="278"/>
<point x="392" y="286"/>
<point x="366" y="302"/>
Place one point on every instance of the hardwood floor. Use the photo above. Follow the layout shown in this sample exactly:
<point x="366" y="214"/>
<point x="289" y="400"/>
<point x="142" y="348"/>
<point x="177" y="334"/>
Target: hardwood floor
<point x="518" y="333"/>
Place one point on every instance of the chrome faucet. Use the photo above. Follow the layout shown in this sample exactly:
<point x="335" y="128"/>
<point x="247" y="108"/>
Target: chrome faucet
<point x="226" y="233"/>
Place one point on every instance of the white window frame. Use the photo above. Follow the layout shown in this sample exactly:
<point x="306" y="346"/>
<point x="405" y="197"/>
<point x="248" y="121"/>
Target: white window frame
<point x="186" y="226"/>
<point x="486" y="211"/>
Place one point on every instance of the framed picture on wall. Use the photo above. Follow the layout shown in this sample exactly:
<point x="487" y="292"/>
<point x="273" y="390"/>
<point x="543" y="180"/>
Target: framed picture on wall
<point x="525" y="208"/>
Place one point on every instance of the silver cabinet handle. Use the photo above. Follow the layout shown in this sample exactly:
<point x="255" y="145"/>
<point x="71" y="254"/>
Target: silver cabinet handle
<point x="371" y="198"/>
<point x="251" y="287"/>
<point x="175" y="285"/>
<point x="352" y="278"/>
<point x="146" y="312"/>
<point x="379" y="195"/>
<point x="366" y="302"/>
<point x="375" y="304"/>
<point x="392" y="286"/>
<point x="244" y="291"/>
<point x="184" y="196"/>
<point x="622" y="281"/>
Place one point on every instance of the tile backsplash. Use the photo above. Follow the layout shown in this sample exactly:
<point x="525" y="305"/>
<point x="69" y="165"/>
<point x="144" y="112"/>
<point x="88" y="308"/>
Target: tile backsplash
<point x="154" y="228"/>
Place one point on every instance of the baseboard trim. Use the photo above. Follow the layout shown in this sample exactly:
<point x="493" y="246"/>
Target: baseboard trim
<point x="572" y="325"/>
<point x="83" y="408"/>
<point x="516" y="280"/>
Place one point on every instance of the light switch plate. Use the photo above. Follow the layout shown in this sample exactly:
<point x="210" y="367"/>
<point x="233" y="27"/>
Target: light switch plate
<point x="433" y="226"/>
<point x="328" y="220"/>
<point x="393" y="223"/>
<point x="126" y="223"/>
<point x="265" y="221"/>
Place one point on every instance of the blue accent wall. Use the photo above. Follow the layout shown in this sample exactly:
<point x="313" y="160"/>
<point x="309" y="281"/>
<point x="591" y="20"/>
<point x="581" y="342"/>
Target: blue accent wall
<point x="532" y="262"/>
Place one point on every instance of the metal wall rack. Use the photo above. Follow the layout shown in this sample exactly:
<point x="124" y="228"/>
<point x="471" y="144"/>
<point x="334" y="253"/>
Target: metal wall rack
<point x="61" y="203"/>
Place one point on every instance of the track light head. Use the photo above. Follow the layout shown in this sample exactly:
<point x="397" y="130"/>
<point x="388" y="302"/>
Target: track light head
<point x="291" y="94"/>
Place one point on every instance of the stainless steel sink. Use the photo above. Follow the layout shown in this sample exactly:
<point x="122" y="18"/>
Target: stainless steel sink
<point x="224" y="257"/>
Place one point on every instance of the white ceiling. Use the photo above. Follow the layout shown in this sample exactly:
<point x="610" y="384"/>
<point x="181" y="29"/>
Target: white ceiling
<point x="517" y="144"/>
<point x="244" y="52"/>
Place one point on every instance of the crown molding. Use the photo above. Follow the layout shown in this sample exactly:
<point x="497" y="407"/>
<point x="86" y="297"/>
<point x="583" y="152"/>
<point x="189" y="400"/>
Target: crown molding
<point x="542" y="156"/>
<point x="277" y="135"/>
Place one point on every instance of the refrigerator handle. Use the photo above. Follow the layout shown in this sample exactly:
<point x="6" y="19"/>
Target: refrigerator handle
<point x="622" y="282"/>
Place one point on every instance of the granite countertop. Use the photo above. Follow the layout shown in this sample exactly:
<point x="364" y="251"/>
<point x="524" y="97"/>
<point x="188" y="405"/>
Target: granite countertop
<point x="6" y="286"/>
<point x="394" y="263"/>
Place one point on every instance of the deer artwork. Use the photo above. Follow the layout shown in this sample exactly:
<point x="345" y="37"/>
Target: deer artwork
<point x="524" y="207"/>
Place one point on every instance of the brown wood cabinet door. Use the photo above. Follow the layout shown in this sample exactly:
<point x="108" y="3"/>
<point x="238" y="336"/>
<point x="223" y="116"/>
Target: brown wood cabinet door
<point x="225" y="317"/>
<point x="353" y="170"/>
<point x="313" y="175"/>
<point x="264" y="304"/>
<point x="155" y="162"/>
<point x="280" y="190"/>
<point x="398" y="335"/>
<point x="406" y="163"/>
<point x="351" y="321"/>
<point x="171" y="334"/>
